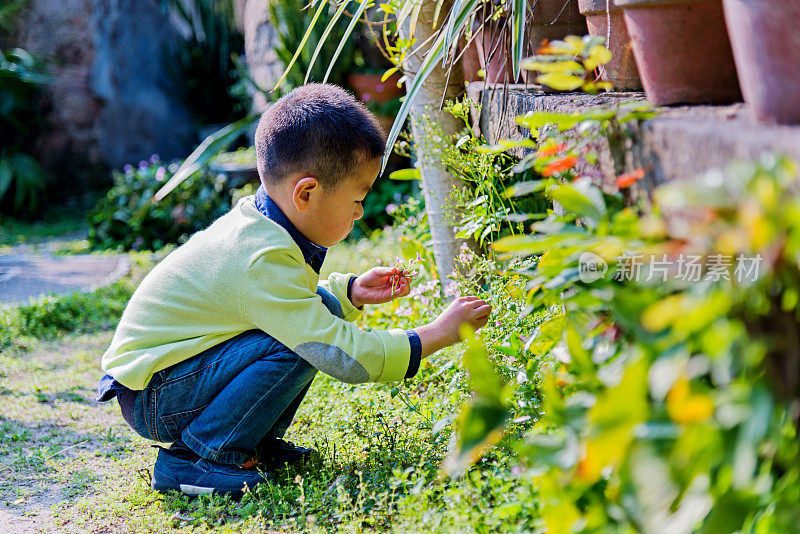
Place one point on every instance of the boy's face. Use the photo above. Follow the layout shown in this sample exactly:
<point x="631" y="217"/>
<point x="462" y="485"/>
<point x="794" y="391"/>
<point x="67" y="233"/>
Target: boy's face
<point x="333" y="213"/>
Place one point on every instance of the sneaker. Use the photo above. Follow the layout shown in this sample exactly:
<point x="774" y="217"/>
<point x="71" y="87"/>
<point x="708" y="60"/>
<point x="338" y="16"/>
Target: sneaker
<point x="274" y="451"/>
<point x="182" y="470"/>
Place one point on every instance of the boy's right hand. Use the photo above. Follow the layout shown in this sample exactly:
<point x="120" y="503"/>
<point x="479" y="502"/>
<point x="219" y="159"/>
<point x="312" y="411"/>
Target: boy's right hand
<point x="444" y="330"/>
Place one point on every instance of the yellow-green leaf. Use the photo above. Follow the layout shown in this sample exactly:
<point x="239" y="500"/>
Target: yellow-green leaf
<point x="554" y="66"/>
<point x="560" y="81"/>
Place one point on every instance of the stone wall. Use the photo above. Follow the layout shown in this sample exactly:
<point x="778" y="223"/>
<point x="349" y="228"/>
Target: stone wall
<point x="62" y="32"/>
<point x="680" y="143"/>
<point x="141" y="112"/>
<point x="110" y="102"/>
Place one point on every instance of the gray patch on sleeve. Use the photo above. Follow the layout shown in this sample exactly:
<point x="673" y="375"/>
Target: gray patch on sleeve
<point x="333" y="361"/>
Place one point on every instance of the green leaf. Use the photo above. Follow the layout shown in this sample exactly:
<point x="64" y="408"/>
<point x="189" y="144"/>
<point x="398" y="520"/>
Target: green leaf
<point x="526" y="188"/>
<point x="436" y="13"/>
<point x="480" y="426"/>
<point x="580" y="356"/>
<point x="547" y="335"/>
<point x="459" y="15"/>
<point x="505" y="144"/>
<point x="745" y="456"/>
<point x="405" y="174"/>
<point x="576" y="202"/>
<point x="535" y="120"/>
<point x="483" y="378"/>
<point x="560" y="81"/>
<point x="519" y="8"/>
<point x="567" y="66"/>
<point x="483" y="418"/>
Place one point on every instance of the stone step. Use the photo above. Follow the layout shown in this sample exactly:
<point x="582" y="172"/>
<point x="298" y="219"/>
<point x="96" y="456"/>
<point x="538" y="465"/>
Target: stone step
<point x="681" y="142"/>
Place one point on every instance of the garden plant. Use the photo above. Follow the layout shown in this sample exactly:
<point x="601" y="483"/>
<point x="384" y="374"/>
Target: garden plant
<point x="639" y="372"/>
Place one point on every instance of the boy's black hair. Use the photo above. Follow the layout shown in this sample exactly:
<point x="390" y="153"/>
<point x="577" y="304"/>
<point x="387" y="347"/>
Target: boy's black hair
<point x="319" y="129"/>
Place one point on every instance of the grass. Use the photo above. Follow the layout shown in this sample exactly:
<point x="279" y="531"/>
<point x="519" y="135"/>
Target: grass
<point x="17" y="231"/>
<point x="72" y="464"/>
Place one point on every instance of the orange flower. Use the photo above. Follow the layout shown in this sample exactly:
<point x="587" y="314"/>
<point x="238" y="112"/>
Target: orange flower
<point x="627" y="180"/>
<point x="550" y="150"/>
<point x="545" y="48"/>
<point x="560" y="166"/>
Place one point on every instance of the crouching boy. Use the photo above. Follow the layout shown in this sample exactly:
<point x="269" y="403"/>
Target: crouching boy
<point x="222" y="339"/>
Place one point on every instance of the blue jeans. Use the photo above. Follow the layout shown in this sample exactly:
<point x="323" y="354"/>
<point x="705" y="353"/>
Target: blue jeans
<point x="224" y="401"/>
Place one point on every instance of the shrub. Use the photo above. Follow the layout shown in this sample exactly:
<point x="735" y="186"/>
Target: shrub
<point x="22" y="179"/>
<point x="128" y="219"/>
<point x="205" y="65"/>
<point x="666" y="403"/>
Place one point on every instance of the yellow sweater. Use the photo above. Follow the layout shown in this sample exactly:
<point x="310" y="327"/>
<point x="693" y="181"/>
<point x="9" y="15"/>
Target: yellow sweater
<point x="241" y="273"/>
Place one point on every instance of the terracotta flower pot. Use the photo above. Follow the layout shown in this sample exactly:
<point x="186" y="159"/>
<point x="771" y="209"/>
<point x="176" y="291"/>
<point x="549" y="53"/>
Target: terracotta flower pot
<point x="682" y="51"/>
<point x="552" y="19"/>
<point x="621" y="71"/>
<point x="370" y="88"/>
<point x="766" y="45"/>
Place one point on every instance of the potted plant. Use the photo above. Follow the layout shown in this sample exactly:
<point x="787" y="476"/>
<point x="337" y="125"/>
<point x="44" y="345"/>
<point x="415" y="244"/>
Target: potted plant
<point x="682" y="51"/>
<point x="239" y="166"/>
<point x="370" y="86"/>
<point x="765" y="45"/>
<point x="605" y="18"/>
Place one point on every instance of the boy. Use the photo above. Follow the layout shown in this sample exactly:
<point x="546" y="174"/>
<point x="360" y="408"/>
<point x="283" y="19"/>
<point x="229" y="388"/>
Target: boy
<point x="220" y="342"/>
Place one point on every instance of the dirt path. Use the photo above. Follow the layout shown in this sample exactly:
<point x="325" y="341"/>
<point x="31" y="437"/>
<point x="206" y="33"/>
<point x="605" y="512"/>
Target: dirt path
<point x="27" y="271"/>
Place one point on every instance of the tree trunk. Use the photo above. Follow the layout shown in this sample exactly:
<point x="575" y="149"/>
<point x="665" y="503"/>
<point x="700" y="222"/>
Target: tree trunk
<point x="260" y="40"/>
<point x="437" y="183"/>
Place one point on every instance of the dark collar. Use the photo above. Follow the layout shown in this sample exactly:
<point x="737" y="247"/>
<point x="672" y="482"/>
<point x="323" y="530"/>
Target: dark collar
<point x="312" y="253"/>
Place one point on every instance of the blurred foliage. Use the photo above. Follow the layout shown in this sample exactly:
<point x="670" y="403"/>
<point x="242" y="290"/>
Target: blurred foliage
<point x="9" y="9"/>
<point x="291" y="18"/>
<point x="22" y="79"/>
<point x="205" y="62"/>
<point x="571" y="64"/>
<point x="242" y="157"/>
<point x="128" y="219"/>
<point x="381" y="202"/>
<point x="662" y="404"/>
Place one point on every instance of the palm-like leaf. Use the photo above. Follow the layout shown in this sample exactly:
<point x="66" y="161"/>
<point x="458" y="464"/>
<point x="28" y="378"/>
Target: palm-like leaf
<point x="346" y="36"/>
<point x="460" y="15"/>
<point x="435" y="53"/>
<point x="324" y="37"/>
<point x="210" y="147"/>
<point x="518" y="35"/>
<point x="322" y="6"/>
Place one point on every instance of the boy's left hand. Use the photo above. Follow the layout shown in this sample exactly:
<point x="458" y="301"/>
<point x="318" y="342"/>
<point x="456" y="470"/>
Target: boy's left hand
<point x="375" y="286"/>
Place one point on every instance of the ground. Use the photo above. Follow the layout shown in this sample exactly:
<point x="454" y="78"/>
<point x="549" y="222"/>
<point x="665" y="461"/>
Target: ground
<point x="71" y="464"/>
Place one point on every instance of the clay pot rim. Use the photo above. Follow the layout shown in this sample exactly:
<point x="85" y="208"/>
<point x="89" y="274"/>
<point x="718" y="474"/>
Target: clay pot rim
<point x="592" y="7"/>
<point x="634" y="4"/>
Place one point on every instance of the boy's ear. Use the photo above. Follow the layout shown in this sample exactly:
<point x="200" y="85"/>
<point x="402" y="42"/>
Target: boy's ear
<point x="302" y="192"/>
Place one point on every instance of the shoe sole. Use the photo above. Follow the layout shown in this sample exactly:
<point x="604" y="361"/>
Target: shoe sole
<point x="194" y="491"/>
